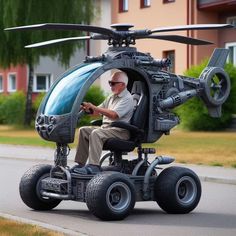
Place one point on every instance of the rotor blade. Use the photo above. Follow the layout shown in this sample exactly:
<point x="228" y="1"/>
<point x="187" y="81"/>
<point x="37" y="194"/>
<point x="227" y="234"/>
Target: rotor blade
<point x="54" y="41"/>
<point x="59" y="26"/>
<point x="192" y="27"/>
<point x="178" y="39"/>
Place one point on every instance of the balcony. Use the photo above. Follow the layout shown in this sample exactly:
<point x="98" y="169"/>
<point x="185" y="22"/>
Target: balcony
<point x="216" y="5"/>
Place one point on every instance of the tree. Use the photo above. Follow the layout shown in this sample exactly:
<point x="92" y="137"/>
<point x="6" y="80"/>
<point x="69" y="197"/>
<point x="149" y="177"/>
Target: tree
<point x="27" y="12"/>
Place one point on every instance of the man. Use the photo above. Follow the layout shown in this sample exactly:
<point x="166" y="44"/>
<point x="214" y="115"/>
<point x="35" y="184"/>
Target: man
<point x="118" y="106"/>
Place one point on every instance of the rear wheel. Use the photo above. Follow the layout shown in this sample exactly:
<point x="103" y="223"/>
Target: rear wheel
<point x="30" y="188"/>
<point x="177" y="190"/>
<point x="110" y="196"/>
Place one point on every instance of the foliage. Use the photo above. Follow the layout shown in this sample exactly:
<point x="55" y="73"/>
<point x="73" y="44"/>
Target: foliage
<point x="27" y="12"/>
<point x="2" y="99"/>
<point x="12" y="108"/>
<point x="37" y="102"/>
<point x="194" y="114"/>
<point x="95" y="96"/>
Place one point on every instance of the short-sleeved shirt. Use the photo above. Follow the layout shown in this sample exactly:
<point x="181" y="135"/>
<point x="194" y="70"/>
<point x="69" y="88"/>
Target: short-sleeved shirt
<point x="122" y="104"/>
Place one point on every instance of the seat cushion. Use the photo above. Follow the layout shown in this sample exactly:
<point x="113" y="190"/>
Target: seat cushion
<point x="119" y="145"/>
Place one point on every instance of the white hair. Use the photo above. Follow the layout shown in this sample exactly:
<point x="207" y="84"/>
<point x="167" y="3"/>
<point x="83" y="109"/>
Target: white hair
<point x="122" y="77"/>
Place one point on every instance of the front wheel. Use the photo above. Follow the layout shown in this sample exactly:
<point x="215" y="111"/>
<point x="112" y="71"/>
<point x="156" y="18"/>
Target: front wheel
<point x="30" y="187"/>
<point x="177" y="190"/>
<point x="110" y="196"/>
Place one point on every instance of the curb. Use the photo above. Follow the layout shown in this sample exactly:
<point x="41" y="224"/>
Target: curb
<point x="43" y="225"/>
<point x="51" y="159"/>
<point x="217" y="180"/>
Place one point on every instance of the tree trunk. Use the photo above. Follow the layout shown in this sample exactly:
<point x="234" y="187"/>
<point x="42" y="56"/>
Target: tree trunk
<point x="28" y="107"/>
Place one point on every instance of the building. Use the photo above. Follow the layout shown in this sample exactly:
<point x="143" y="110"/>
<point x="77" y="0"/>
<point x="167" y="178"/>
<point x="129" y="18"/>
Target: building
<point x="45" y="73"/>
<point x="13" y="79"/>
<point x="152" y="14"/>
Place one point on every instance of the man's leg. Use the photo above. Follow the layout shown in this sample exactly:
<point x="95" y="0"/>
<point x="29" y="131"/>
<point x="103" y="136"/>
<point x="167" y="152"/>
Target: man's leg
<point x="83" y="145"/>
<point x="98" y="137"/>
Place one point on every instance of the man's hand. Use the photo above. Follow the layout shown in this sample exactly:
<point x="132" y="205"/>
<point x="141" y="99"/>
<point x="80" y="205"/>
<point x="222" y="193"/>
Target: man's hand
<point x="88" y="107"/>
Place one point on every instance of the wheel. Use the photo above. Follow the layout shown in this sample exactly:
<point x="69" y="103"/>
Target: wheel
<point x="105" y="156"/>
<point x="30" y="186"/>
<point x="110" y="196"/>
<point x="177" y="190"/>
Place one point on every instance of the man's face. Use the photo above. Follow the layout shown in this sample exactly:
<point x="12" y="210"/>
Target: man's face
<point x="116" y="85"/>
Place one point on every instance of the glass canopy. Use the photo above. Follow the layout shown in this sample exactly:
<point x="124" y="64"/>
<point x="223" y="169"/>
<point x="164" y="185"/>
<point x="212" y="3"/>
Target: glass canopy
<point x="63" y="95"/>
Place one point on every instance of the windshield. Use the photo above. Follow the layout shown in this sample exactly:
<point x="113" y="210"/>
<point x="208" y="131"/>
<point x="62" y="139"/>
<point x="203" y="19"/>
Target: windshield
<point x="64" y="93"/>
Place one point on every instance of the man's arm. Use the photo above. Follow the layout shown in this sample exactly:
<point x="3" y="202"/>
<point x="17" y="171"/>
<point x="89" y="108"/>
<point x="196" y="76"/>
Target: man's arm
<point x="106" y="112"/>
<point x="99" y="110"/>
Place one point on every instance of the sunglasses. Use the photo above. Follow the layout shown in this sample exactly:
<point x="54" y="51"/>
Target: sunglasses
<point x="111" y="83"/>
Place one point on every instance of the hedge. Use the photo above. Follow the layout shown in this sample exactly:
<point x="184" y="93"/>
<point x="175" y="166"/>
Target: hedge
<point x="194" y="114"/>
<point x="96" y="96"/>
<point x="12" y="108"/>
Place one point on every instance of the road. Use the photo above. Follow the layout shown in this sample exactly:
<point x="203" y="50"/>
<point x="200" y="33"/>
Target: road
<point x="215" y="214"/>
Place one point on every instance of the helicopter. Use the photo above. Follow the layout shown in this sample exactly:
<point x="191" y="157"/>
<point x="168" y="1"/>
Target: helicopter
<point x="111" y="194"/>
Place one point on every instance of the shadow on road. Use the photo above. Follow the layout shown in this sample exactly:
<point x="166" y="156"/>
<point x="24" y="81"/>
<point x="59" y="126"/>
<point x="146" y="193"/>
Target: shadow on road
<point x="194" y="219"/>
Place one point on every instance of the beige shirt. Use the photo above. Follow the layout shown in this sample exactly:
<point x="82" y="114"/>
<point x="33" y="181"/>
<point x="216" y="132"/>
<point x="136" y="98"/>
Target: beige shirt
<point x="122" y="104"/>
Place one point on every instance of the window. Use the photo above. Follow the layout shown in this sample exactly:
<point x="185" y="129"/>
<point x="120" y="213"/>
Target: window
<point x="123" y="5"/>
<point x="171" y="55"/>
<point x="168" y="1"/>
<point x="231" y="20"/>
<point x="1" y="84"/>
<point x="42" y="82"/>
<point x="11" y="82"/>
<point x="145" y="3"/>
<point x="232" y="52"/>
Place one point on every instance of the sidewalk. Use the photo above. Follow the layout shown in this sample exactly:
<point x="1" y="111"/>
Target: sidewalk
<point x="206" y="173"/>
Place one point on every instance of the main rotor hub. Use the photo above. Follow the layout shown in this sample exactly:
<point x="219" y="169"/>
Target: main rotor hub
<point x="122" y="27"/>
<point x="122" y="35"/>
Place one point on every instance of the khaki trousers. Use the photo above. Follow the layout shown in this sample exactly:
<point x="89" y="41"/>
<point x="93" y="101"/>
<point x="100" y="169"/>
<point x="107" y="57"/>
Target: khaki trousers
<point x="91" y="140"/>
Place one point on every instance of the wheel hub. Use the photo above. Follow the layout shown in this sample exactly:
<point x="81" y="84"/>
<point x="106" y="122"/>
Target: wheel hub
<point x="182" y="191"/>
<point x="115" y="197"/>
<point x="118" y="196"/>
<point x="186" y="190"/>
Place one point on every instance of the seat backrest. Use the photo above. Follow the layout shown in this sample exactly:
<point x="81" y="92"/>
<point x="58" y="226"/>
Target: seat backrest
<point x="140" y="104"/>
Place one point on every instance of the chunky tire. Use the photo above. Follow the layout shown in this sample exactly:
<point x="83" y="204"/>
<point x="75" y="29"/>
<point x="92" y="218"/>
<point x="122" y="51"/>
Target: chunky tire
<point x="177" y="190"/>
<point x="30" y="188"/>
<point x="110" y="196"/>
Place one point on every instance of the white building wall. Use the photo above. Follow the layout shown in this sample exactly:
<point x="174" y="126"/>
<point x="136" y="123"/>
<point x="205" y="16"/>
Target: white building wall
<point x="97" y="48"/>
<point x="51" y="66"/>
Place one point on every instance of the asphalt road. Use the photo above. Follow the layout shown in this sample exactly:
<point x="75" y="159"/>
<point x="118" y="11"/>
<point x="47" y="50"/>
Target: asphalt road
<point x="215" y="214"/>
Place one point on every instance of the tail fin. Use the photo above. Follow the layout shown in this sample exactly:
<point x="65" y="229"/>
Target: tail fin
<point x="218" y="58"/>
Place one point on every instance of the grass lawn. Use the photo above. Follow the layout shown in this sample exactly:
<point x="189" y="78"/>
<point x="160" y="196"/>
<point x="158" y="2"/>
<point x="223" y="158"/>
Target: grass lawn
<point x="9" y="228"/>
<point x="208" y="148"/>
<point x="204" y="148"/>
<point x="20" y="136"/>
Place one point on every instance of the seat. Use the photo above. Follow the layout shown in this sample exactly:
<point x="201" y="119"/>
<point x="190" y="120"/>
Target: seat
<point x="135" y="126"/>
